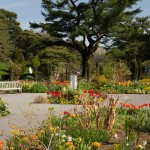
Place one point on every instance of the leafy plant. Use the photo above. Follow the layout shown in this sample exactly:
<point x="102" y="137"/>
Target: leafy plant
<point x="89" y="135"/>
<point x="38" y="88"/>
<point x="3" y="108"/>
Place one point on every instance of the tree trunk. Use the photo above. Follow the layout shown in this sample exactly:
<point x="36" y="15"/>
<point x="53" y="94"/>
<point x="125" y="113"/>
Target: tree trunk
<point x="135" y="69"/>
<point x="139" y="70"/>
<point x="85" y="66"/>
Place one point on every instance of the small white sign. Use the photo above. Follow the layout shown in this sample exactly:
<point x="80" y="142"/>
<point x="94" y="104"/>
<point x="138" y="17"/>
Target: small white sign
<point x="30" y="70"/>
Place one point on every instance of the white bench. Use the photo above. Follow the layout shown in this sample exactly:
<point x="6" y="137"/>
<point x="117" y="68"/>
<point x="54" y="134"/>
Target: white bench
<point x="11" y="85"/>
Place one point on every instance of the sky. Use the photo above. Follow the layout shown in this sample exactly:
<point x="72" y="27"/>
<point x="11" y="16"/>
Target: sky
<point x="30" y="10"/>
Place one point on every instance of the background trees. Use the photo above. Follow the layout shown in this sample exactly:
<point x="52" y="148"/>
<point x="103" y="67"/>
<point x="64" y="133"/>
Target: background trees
<point x="5" y="45"/>
<point x="131" y="45"/>
<point x="73" y="32"/>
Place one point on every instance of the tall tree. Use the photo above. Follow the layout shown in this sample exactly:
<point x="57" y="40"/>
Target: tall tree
<point x="30" y="42"/>
<point x="131" y="44"/>
<point x="82" y="25"/>
<point x="10" y="43"/>
<point x="5" y="45"/>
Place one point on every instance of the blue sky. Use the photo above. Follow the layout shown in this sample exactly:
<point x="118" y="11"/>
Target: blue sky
<point x="30" y="10"/>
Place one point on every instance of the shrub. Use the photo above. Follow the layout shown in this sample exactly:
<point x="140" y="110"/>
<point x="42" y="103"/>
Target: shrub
<point x="38" y="88"/>
<point x="102" y="80"/>
<point x="3" y="108"/>
<point x="85" y="85"/>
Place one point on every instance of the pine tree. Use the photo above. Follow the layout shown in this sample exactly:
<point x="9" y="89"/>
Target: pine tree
<point x="83" y="25"/>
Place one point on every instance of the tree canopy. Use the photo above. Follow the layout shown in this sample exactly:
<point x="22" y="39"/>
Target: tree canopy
<point x="132" y="44"/>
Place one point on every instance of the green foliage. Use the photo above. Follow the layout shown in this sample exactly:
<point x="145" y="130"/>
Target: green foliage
<point x="31" y="43"/>
<point x="38" y="88"/>
<point x="4" y="69"/>
<point x="92" y="135"/>
<point x="55" y="87"/>
<point x="5" y="45"/>
<point x="132" y="45"/>
<point x="115" y="71"/>
<point x="58" y="55"/>
<point x="102" y="80"/>
<point x="17" y="65"/>
<point x="3" y="108"/>
<point x="85" y="85"/>
<point x="36" y="62"/>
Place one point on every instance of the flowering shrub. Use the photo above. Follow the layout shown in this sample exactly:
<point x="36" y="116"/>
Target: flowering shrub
<point x="126" y="87"/>
<point x="71" y="96"/>
<point x="42" y="87"/>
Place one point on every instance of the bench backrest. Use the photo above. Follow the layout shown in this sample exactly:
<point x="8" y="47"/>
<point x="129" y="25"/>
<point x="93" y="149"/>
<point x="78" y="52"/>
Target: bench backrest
<point x="10" y="84"/>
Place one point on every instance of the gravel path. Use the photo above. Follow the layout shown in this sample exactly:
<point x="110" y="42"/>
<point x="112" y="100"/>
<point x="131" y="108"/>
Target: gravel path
<point x="26" y="114"/>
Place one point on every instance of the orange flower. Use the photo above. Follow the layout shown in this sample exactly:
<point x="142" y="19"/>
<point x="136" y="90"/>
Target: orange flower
<point x="127" y="106"/>
<point x="25" y="139"/>
<point x="33" y="137"/>
<point x="1" y="144"/>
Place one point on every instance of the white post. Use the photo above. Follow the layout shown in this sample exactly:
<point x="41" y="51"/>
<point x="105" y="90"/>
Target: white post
<point x="30" y="70"/>
<point x="73" y="82"/>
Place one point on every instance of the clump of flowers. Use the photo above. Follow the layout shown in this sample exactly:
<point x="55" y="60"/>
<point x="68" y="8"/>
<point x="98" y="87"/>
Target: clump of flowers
<point x="69" y="145"/>
<point x="132" y="106"/>
<point x="95" y="145"/>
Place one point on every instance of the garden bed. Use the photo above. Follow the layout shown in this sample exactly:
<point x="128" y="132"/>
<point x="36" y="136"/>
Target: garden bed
<point x="95" y="127"/>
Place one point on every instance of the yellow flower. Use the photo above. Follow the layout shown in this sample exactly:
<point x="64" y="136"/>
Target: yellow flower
<point x="42" y="131"/>
<point x="116" y="146"/>
<point x="96" y="144"/>
<point x="73" y="115"/>
<point x="52" y="129"/>
<point x="70" y="145"/>
<point x="14" y="132"/>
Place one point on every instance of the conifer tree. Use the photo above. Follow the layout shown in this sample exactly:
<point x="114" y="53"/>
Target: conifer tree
<point x="83" y="25"/>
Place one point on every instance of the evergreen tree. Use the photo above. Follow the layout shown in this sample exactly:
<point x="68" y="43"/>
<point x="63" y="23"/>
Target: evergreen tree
<point x="5" y="45"/>
<point x="83" y="25"/>
<point x="131" y="44"/>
